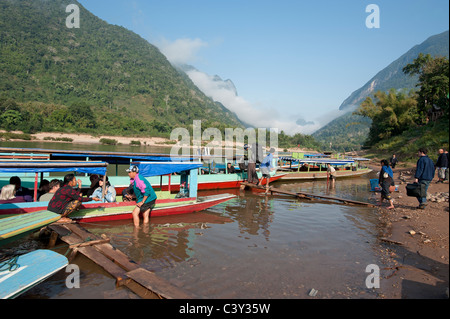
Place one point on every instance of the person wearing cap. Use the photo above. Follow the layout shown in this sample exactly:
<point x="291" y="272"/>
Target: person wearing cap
<point x="266" y="166"/>
<point x="145" y="195"/>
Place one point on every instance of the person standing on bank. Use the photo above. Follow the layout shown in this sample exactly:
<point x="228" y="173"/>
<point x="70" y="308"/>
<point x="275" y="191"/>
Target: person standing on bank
<point x="145" y="196"/>
<point x="393" y="161"/>
<point x="442" y="165"/>
<point x="386" y="180"/>
<point x="424" y="175"/>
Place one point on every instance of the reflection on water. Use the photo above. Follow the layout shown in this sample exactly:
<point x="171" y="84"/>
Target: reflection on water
<point x="254" y="246"/>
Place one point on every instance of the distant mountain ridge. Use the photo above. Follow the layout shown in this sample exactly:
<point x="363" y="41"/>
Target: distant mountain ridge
<point x="393" y="77"/>
<point x="348" y="132"/>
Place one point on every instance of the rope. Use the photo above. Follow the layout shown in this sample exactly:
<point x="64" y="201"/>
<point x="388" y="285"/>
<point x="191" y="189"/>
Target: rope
<point x="10" y="265"/>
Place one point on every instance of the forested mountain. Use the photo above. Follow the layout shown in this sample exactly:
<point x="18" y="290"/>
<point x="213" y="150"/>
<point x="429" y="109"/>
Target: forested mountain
<point x="350" y="131"/>
<point x="98" y="77"/>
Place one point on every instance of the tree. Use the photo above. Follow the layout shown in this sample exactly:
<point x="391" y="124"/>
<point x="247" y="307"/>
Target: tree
<point x="433" y="82"/>
<point x="391" y="114"/>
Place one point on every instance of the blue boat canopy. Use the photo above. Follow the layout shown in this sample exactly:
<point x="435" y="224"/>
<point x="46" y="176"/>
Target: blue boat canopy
<point x="53" y="166"/>
<point x="148" y="169"/>
<point x="125" y="158"/>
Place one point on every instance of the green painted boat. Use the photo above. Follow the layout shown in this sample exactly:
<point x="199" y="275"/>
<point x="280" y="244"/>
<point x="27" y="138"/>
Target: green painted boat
<point x="15" y="227"/>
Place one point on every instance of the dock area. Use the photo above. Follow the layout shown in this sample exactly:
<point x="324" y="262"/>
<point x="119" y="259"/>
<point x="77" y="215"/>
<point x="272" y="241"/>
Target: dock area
<point x="307" y="196"/>
<point x="126" y="272"/>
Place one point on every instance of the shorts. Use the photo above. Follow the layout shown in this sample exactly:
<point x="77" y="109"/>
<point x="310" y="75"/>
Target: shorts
<point x="441" y="172"/>
<point x="148" y="206"/>
<point x="265" y="172"/>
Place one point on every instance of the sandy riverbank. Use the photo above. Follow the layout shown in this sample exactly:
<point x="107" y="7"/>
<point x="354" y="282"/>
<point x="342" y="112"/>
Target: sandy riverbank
<point x="416" y="242"/>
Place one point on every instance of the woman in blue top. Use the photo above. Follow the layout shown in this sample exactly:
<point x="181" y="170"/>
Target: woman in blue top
<point x="145" y="195"/>
<point x="386" y="180"/>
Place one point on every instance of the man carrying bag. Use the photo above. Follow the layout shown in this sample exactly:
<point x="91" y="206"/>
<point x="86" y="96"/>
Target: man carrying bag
<point x="424" y="175"/>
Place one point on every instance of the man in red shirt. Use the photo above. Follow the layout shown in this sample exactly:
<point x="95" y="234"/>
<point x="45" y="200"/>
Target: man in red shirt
<point x="67" y="199"/>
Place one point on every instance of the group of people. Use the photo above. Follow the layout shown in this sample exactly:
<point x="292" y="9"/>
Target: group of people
<point x="425" y="173"/>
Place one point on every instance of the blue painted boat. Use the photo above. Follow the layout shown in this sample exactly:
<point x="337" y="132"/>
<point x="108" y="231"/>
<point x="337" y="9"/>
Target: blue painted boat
<point x="20" y="274"/>
<point x="18" y="226"/>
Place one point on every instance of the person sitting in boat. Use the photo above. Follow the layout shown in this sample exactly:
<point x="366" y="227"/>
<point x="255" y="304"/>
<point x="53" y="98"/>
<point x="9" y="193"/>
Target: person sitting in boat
<point x="145" y="195"/>
<point x="230" y="169"/>
<point x="386" y="180"/>
<point x="21" y="191"/>
<point x="54" y="186"/>
<point x="67" y="199"/>
<point x="110" y="192"/>
<point x="8" y="195"/>
<point x="94" y="178"/>
<point x="44" y="187"/>
<point x="128" y="194"/>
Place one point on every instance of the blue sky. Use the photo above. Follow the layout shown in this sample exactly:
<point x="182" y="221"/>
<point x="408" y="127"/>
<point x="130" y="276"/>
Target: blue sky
<point x="288" y="59"/>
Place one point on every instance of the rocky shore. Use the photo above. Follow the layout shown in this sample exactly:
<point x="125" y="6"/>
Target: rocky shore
<point x="415" y="242"/>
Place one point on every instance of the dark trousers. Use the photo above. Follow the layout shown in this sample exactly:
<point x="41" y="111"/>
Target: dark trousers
<point x="252" y="176"/>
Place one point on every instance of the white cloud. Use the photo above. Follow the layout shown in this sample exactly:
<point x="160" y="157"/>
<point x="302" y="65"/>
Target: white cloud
<point x="257" y="115"/>
<point x="181" y="51"/>
<point x="185" y="51"/>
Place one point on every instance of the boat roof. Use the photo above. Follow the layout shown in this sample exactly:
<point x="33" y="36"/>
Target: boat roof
<point x="53" y="166"/>
<point x="148" y="169"/>
<point x="336" y="162"/>
<point x="118" y="157"/>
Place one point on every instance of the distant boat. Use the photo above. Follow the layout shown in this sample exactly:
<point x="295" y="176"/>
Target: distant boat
<point x="316" y="168"/>
<point x="167" y="204"/>
<point x="20" y="274"/>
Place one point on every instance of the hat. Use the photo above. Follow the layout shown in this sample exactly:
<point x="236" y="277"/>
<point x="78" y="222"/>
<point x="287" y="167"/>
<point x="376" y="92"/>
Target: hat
<point x="133" y="168"/>
<point x="272" y="150"/>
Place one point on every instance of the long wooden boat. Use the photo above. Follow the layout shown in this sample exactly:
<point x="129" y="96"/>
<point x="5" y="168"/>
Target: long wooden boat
<point x="168" y="203"/>
<point x="18" y="226"/>
<point x="118" y="161"/>
<point x="316" y="168"/>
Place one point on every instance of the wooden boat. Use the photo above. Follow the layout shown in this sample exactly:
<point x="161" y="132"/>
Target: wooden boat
<point x="168" y="203"/>
<point x="118" y="161"/>
<point x="22" y="273"/>
<point x="316" y="168"/>
<point x="15" y="227"/>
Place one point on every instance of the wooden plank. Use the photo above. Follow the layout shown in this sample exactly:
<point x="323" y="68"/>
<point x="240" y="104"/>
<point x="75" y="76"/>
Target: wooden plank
<point x="108" y="250"/>
<point x="310" y="196"/>
<point x="158" y="285"/>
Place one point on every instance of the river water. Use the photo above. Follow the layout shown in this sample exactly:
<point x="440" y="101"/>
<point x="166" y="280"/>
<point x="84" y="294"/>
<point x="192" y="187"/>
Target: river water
<point x="254" y="246"/>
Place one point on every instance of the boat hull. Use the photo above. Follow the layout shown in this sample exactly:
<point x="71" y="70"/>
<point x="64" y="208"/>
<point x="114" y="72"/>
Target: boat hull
<point x="323" y="174"/>
<point x="174" y="207"/>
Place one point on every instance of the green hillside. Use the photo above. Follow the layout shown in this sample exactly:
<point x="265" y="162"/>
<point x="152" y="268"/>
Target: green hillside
<point x="99" y="77"/>
<point x="350" y="132"/>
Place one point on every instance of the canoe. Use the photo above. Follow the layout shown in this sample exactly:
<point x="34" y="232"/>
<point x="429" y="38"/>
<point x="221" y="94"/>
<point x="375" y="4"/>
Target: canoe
<point x="22" y="273"/>
<point x="123" y="211"/>
<point x="15" y="227"/>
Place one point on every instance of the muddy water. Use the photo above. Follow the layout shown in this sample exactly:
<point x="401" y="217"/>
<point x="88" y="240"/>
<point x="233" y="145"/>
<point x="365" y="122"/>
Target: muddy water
<point x="254" y="246"/>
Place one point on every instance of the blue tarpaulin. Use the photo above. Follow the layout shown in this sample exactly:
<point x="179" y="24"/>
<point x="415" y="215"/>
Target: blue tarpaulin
<point x="147" y="169"/>
<point x="49" y="166"/>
